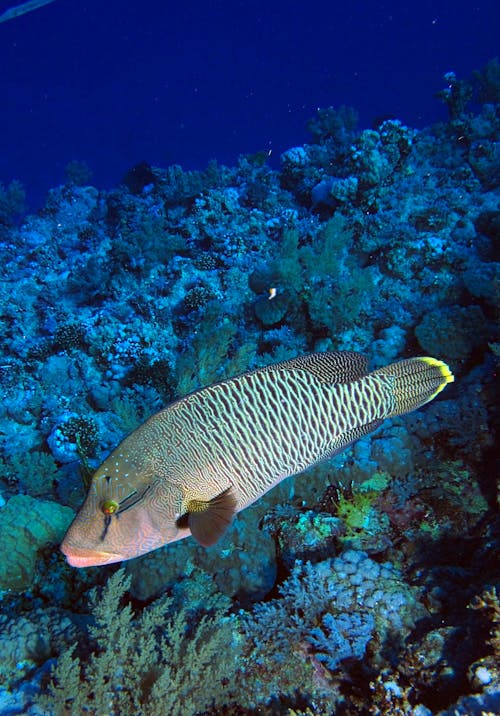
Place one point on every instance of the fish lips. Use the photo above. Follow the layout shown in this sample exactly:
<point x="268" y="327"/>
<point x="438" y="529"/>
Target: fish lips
<point x="87" y="557"/>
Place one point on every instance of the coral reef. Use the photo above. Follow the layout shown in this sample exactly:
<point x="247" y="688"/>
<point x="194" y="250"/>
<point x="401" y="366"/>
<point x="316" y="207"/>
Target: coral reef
<point x="327" y="614"/>
<point x="369" y="585"/>
<point x="26" y="526"/>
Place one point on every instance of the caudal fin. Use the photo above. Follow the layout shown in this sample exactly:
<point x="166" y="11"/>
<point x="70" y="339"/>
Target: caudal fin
<point x="416" y="382"/>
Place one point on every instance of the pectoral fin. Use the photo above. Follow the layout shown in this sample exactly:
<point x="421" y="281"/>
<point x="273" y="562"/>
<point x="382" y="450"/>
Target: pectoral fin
<point x="208" y="520"/>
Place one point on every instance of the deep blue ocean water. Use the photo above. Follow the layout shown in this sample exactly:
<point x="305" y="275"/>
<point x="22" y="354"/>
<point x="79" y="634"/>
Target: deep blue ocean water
<point x="116" y="82"/>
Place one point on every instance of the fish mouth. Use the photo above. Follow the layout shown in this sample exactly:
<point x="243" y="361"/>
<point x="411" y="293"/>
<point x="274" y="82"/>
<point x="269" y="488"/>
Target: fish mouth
<point x="88" y="557"/>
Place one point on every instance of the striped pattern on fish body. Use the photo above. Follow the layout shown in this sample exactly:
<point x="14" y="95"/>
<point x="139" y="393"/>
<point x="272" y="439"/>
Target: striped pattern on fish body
<point x="253" y="431"/>
<point x="192" y="466"/>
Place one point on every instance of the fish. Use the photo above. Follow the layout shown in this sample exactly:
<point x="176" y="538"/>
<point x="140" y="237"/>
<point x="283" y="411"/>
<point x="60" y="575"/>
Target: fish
<point x="191" y="467"/>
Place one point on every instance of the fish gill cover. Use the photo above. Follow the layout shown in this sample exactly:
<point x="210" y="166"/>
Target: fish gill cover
<point x="369" y="584"/>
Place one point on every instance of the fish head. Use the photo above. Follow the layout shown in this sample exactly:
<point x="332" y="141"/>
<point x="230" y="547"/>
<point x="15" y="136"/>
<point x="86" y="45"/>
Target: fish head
<point x="128" y="512"/>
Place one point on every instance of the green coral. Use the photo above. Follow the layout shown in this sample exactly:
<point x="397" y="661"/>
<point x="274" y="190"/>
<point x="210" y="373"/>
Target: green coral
<point x="356" y="509"/>
<point x="356" y="512"/>
<point x="376" y="483"/>
<point x="27" y="525"/>
<point x="151" y="663"/>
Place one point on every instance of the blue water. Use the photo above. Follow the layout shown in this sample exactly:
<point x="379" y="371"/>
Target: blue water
<point x="115" y="82"/>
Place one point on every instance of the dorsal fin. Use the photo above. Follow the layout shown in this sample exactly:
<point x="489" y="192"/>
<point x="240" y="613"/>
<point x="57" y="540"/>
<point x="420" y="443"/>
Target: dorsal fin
<point x="209" y="519"/>
<point x="329" y="367"/>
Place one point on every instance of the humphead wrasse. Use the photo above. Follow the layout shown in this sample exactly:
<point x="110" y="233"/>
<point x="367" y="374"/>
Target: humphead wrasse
<point x="192" y="466"/>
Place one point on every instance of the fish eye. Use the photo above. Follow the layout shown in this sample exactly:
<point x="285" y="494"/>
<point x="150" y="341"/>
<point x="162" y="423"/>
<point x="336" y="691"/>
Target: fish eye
<point x="109" y="507"/>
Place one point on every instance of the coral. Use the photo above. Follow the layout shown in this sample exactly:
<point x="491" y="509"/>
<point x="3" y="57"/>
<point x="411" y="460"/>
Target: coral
<point x="305" y="535"/>
<point x="482" y="280"/>
<point x="488" y="224"/>
<point x="12" y="202"/>
<point x="29" y="641"/>
<point x="337" y="124"/>
<point x="69" y="336"/>
<point x="456" y="95"/>
<point x="299" y="173"/>
<point x="155" y="373"/>
<point x="78" y="173"/>
<point x="272" y="309"/>
<point x="377" y="155"/>
<point x="327" y="611"/>
<point x="343" y="636"/>
<point x="239" y="572"/>
<point x="114" y="302"/>
<point x="334" y="192"/>
<point x="151" y="663"/>
<point x="83" y="432"/>
<point x="196" y="298"/>
<point x="478" y="705"/>
<point x="489" y="602"/>
<point x="33" y="472"/>
<point x="73" y="437"/>
<point x="201" y="363"/>
<point x="358" y="513"/>
<point x="484" y="158"/>
<point x="452" y="332"/>
<point x="488" y="80"/>
<point x="26" y="526"/>
<point x="205" y="261"/>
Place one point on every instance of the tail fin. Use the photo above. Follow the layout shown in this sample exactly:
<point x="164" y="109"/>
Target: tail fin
<point x="416" y="382"/>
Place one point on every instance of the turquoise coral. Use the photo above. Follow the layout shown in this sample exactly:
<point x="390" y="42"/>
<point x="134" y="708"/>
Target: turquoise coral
<point x="26" y="525"/>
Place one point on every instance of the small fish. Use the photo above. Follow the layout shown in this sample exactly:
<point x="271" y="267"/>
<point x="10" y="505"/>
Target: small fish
<point x="191" y="467"/>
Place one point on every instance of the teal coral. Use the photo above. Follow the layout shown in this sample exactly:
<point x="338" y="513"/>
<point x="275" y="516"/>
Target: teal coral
<point x="26" y="526"/>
